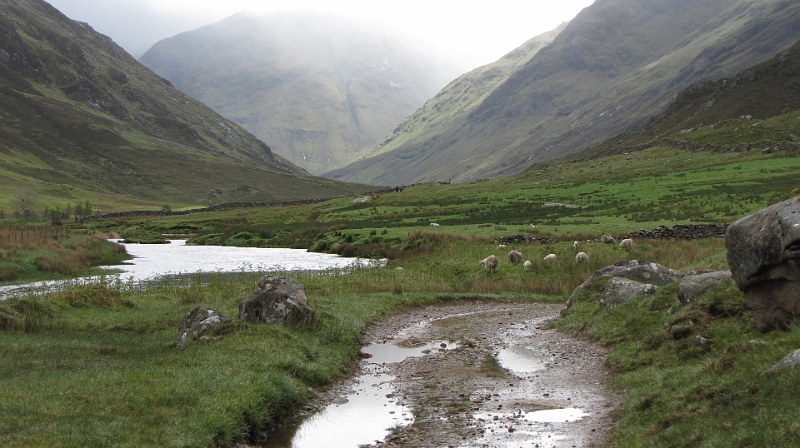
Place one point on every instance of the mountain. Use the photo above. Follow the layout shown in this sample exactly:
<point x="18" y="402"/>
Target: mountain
<point x="83" y="119"/>
<point x="322" y="89"/>
<point x="616" y="64"/>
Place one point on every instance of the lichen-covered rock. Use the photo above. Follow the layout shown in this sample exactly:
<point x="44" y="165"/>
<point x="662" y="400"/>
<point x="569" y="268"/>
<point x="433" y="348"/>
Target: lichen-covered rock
<point x="764" y="257"/>
<point x="198" y="322"/>
<point x="790" y="361"/>
<point x="692" y="286"/>
<point x="621" y="290"/>
<point x="641" y="271"/>
<point x="277" y="300"/>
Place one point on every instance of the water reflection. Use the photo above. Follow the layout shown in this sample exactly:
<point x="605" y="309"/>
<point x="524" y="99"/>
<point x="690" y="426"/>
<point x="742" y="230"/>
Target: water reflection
<point x="522" y="359"/>
<point x="151" y="261"/>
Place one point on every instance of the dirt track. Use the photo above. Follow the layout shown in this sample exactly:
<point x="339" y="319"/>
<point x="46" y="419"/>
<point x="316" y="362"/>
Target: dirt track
<point x="458" y="400"/>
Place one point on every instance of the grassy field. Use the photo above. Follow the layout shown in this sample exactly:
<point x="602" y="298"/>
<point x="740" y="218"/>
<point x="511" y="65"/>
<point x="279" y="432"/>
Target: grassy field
<point x="98" y="365"/>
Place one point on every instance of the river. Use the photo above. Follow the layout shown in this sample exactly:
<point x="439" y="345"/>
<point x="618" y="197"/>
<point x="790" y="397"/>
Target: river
<point x="151" y="261"/>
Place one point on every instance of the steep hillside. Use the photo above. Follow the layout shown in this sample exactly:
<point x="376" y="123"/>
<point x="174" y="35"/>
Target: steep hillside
<point x="452" y="105"/>
<point x="616" y="64"/>
<point x="83" y="119"/>
<point x="322" y="89"/>
<point x="756" y="107"/>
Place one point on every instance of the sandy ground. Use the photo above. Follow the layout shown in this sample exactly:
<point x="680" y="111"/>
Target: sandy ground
<point x="553" y="391"/>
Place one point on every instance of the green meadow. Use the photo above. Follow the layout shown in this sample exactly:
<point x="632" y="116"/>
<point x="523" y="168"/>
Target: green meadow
<point x="97" y="365"/>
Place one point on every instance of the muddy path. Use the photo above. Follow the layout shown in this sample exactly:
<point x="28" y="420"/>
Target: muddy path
<point x="549" y="389"/>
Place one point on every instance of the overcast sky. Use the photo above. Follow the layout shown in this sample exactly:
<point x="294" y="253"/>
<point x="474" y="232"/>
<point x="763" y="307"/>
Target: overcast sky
<point x="481" y="31"/>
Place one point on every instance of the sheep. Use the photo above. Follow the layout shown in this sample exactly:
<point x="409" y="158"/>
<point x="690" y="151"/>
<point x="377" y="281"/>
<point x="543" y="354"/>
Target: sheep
<point x="550" y="257"/>
<point x="607" y="239"/>
<point x="433" y="224"/>
<point x="515" y="256"/>
<point x="581" y="257"/>
<point x="527" y="265"/>
<point x="501" y="246"/>
<point x="490" y="263"/>
<point x="627" y="243"/>
<point x="575" y="245"/>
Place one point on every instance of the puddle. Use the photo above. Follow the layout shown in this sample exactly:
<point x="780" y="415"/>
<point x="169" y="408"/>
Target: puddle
<point x="522" y="359"/>
<point x="389" y="352"/>
<point x="538" y="428"/>
<point x="363" y="417"/>
<point x="567" y="415"/>
<point x="368" y="411"/>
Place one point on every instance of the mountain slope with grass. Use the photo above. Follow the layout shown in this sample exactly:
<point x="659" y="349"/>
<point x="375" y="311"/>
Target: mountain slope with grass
<point x="322" y="89"/>
<point x="616" y="64"/>
<point x="83" y="120"/>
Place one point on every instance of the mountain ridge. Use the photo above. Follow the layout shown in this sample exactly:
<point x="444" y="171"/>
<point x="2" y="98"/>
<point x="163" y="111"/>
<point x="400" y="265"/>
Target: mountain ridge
<point x="615" y="65"/>
<point x="322" y="89"/>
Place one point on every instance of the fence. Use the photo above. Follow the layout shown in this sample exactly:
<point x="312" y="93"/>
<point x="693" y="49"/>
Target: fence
<point x="30" y="234"/>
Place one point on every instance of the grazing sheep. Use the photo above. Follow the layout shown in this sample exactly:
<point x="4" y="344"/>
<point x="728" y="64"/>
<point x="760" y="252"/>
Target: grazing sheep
<point x="501" y="246"/>
<point x="527" y="265"/>
<point x="490" y="263"/>
<point x="550" y="257"/>
<point x="581" y="257"/>
<point x="627" y="243"/>
<point x="575" y="245"/>
<point x="515" y="256"/>
<point x="607" y="239"/>
<point x="433" y="224"/>
<point x="533" y="226"/>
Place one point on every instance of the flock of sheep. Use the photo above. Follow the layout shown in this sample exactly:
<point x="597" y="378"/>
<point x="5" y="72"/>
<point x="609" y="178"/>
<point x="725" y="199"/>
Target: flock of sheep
<point x="514" y="256"/>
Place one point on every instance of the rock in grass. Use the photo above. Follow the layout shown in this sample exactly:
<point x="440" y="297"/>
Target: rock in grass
<point x="790" y="361"/>
<point x="621" y="290"/>
<point x="694" y="285"/>
<point x="277" y="300"/>
<point x="764" y="257"/>
<point x="641" y="271"/>
<point x="198" y="322"/>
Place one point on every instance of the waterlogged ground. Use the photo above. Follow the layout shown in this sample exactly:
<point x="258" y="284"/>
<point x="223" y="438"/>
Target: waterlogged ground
<point x="430" y="381"/>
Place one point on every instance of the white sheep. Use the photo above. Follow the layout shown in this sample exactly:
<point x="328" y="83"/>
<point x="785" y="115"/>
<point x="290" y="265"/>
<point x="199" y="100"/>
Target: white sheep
<point x="627" y="243"/>
<point x="550" y="257"/>
<point x="527" y="265"/>
<point x="515" y="256"/>
<point x="581" y="257"/>
<point x="433" y="224"/>
<point x="607" y="239"/>
<point x="501" y="246"/>
<point x="490" y="263"/>
<point x="575" y="245"/>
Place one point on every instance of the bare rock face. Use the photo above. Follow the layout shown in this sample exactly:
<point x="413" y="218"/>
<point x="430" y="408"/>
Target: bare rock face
<point x="621" y="290"/>
<point x="198" y="322"/>
<point x="641" y="271"/>
<point x="764" y="257"/>
<point x="790" y="361"/>
<point x="277" y="300"/>
<point x="694" y="285"/>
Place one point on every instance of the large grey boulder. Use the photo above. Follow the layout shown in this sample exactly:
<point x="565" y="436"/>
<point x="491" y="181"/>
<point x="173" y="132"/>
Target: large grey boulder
<point x="641" y="271"/>
<point x="621" y="290"/>
<point x="277" y="300"/>
<point x="790" y="361"/>
<point x="764" y="257"/>
<point x="199" y="321"/>
<point x="692" y="286"/>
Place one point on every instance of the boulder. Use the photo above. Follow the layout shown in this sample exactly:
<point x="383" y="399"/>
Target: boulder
<point x="277" y="300"/>
<point x="790" y="361"/>
<point x="621" y="290"/>
<point x="607" y="239"/>
<point x="764" y="257"/>
<point x="694" y="285"/>
<point x="198" y="322"/>
<point x="641" y="271"/>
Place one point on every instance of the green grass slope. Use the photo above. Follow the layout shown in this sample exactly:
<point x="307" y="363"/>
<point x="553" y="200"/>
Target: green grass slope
<point x="616" y="64"/>
<point x="83" y="120"/>
<point x="322" y="89"/>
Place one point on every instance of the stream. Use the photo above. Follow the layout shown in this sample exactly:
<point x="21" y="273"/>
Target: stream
<point x="151" y="261"/>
